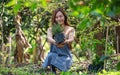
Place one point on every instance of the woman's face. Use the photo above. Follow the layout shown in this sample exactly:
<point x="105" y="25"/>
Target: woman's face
<point x="60" y="17"/>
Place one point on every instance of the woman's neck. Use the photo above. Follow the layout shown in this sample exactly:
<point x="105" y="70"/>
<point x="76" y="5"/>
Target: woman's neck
<point x="65" y="28"/>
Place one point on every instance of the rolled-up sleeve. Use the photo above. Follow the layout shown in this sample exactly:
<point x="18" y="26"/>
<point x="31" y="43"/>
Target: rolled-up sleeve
<point x="49" y="36"/>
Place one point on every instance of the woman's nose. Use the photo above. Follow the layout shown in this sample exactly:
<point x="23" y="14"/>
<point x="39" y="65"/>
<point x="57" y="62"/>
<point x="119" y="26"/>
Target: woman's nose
<point x="59" y="18"/>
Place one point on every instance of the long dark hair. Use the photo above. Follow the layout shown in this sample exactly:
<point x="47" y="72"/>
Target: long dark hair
<point x="54" y="15"/>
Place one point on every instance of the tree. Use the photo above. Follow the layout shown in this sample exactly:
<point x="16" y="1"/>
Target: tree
<point x="21" y="42"/>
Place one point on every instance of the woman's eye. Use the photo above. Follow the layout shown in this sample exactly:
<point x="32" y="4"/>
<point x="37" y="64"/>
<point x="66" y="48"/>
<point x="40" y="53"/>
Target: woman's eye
<point x="60" y="16"/>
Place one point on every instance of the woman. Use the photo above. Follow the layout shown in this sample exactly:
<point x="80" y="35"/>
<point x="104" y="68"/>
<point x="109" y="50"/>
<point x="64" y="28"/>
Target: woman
<point x="60" y="55"/>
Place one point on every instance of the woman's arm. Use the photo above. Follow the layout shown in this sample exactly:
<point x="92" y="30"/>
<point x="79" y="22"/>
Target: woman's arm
<point x="49" y="36"/>
<point x="71" y="36"/>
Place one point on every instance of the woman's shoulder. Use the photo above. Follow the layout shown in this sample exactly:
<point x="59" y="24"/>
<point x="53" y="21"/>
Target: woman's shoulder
<point x="70" y="28"/>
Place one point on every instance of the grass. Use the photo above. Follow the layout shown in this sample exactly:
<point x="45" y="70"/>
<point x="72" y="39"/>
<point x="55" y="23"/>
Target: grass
<point x="35" y="69"/>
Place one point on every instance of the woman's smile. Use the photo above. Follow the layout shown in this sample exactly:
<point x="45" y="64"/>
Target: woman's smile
<point x="60" y="18"/>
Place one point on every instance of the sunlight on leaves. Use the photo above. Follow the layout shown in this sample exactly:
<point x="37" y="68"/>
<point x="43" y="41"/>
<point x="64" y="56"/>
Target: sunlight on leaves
<point x="11" y="3"/>
<point x="16" y="8"/>
<point x="44" y="3"/>
<point x="75" y="13"/>
<point x="33" y="6"/>
<point x="27" y="3"/>
<point x="83" y="24"/>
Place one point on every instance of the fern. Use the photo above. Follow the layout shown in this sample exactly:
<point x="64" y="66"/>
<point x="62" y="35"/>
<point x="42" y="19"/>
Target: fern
<point x="57" y="33"/>
<point x="57" y="29"/>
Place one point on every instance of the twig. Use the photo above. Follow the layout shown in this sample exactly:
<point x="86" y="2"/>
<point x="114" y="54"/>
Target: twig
<point x="106" y="45"/>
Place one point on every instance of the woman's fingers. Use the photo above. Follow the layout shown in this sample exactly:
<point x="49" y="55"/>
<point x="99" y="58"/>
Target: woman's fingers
<point x="66" y="41"/>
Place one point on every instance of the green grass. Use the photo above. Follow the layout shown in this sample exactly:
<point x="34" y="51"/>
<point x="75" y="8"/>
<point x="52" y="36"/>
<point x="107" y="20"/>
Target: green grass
<point x="31" y="70"/>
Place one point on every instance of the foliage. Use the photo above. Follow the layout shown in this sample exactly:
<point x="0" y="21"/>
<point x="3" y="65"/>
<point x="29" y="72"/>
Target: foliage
<point x="14" y="71"/>
<point x="32" y="70"/>
<point x="57" y="31"/>
<point x="57" y="28"/>
<point x="118" y="66"/>
<point x="103" y="58"/>
<point x="104" y="72"/>
<point x="82" y="15"/>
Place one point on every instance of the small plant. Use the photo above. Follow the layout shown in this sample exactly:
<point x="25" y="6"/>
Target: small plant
<point x="57" y="32"/>
<point x="56" y="29"/>
<point x="98" y="64"/>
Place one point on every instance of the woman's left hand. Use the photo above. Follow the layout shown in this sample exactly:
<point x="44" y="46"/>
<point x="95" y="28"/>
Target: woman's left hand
<point x="66" y="42"/>
<point x="63" y="43"/>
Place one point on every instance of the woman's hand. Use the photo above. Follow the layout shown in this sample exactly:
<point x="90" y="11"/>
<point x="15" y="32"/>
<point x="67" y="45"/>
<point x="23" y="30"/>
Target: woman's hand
<point x="63" y="43"/>
<point x="66" y="42"/>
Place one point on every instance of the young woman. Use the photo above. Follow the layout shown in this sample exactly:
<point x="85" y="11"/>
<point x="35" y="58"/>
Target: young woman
<point x="60" y="56"/>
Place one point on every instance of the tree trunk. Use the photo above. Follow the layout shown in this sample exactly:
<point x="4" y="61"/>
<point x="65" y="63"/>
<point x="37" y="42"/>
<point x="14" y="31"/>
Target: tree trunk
<point x="99" y="47"/>
<point x="99" y="36"/>
<point x="1" y="41"/>
<point x="7" y="61"/>
<point x="38" y="53"/>
<point x="117" y="46"/>
<point x="18" y="54"/>
<point x="21" y="42"/>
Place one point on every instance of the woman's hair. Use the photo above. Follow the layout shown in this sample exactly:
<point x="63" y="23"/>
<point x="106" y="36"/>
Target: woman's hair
<point x="54" y="15"/>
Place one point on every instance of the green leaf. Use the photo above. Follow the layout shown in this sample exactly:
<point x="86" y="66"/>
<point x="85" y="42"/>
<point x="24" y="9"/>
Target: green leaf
<point x="16" y="8"/>
<point x="75" y="13"/>
<point x="83" y="24"/>
<point x="99" y="11"/>
<point x="44" y="3"/>
<point x="118" y="66"/>
<point x="76" y="0"/>
<point x="104" y="58"/>
<point x="57" y="29"/>
<point x="71" y="4"/>
<point x="117" y="10"/>
<point x="111" y="13"/>
<point x="33" y="6"/>
<point x="65" y="73"/>
<point x="96" y="12"/>
<point x="27" y="3"/>
<point x="85" y="10"/>
<point x="11" y="3"/>
<point x="102" y="21"/>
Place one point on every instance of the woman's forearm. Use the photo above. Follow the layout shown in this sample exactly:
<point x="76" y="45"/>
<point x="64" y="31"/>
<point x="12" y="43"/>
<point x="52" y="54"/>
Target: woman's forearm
<point x="51" y="40"/>
<point x="70" y="40"/>
<point x="71" y="36"/>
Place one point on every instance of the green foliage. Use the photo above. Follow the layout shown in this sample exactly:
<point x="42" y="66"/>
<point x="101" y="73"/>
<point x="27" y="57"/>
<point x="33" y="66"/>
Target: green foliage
<point x="104" y="58"/>
<point x="57" y="28"/>
<point x="84" y="24"/>
<point x="118" y="66"/>
<point x="19" y="4"/>
<point x="68" y="73"/>
<point x="18" y="71"/>
<point x="36" y="14"/>
<point x="17" y="8"/>
<point x="30" y="70"/>
<point x="104" y="72"/>
<point x="11" y="3"/>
